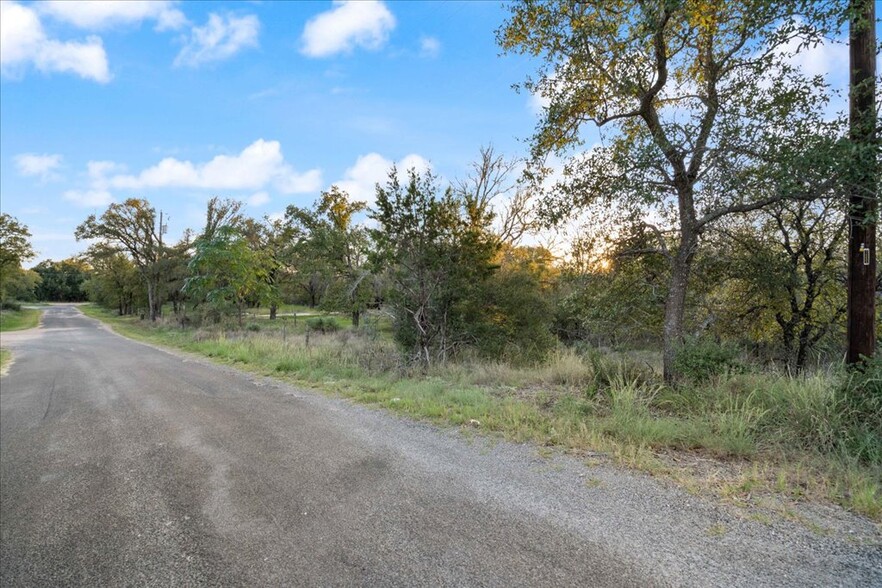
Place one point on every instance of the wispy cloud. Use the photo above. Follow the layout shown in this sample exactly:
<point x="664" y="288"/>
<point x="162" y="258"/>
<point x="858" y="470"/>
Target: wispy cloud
<point x="89" y="198"/>
<point x="220" y="38"/>
<point x="430" y="47"/>
<point x="36" y="165"/>
<point x="258" y="199"/>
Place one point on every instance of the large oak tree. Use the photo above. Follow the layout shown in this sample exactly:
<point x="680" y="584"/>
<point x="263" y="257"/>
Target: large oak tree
<point x="701" y="113"/>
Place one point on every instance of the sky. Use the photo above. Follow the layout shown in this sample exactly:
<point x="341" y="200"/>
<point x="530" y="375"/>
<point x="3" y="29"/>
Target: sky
<point x="266" y="102"/>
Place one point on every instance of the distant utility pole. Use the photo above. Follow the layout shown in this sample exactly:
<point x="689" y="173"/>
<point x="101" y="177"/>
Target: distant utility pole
<point x="864" y="180"/>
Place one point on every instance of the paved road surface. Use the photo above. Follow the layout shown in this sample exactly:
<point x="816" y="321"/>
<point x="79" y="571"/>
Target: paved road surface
<point x="123" y="464"/>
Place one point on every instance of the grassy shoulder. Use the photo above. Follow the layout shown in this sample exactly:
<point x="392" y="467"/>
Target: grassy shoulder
<point x="5" y="359"/>
<point x="752" y="439"/>
<point x="17" y="320"/>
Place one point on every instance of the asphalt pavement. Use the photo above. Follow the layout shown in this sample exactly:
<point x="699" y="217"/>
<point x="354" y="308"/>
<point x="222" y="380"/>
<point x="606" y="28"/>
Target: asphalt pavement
<point x="122" y="464"/>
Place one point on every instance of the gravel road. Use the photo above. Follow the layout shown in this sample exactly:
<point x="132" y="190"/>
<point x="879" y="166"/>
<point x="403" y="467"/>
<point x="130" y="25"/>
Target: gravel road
<point x="125" y="465"/>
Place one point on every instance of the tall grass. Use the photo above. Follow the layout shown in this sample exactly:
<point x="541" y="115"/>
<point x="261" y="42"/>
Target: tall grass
<point x="16" y="320"/>
<point x="774" y="432"/>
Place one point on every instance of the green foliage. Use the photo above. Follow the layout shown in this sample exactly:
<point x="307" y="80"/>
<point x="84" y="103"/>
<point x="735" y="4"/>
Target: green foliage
<point x="62" y="281"/>
<point x="226" y="273"/>
<point x="19" y="284"/>
<point x="693" y="135"/>
<point x="701" y="359"/>
<point x="15" y="320"/>
<point x="438" y="256"/>
<point x="114" y="281"/>
<point x="10" y="305"/>
<point x="781" y="269"/>
<point x="513" y="311"/>
<point x="861" y="398"/>
<point x="15" y="248"/>
<point x="15" y="245"/>
<point x="330" y="254"/>
<point x="131" y="227"/>
<point x="618" y="303"/>
<point x="322" y="324"/>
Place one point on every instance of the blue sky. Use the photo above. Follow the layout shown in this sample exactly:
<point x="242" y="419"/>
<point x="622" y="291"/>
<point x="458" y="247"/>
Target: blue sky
<point x="269" y="103"/>
<point x="266" y="102"/>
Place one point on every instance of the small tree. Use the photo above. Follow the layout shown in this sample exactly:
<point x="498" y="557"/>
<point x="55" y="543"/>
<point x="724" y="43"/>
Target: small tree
<point x="114" y="281"/>
<point x="226" y="273"/>
<point x="789" y="266"/>
<point x="271" y="239"/>
<point x="438" y="255"/>
<point x="333" y="246"/>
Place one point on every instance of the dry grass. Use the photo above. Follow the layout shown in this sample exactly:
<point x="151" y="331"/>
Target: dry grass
<point x="739" y="437"/>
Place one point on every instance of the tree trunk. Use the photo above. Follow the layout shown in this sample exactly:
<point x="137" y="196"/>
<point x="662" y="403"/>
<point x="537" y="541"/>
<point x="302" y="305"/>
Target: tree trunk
<point x="675" y="304"/>
<point x="151" y="301"/>
<point x="356" y="318"/>
<point x="157" y="301"/>
<point x="801" y="353"/>
<point x="273" y="309"/>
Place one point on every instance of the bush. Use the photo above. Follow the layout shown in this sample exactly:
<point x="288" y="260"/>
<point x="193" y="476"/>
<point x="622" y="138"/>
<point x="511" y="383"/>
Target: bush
<point x="609" y="370"/>
<point x="10" y="305"/>
<point x="322" y="324"/>
<point x="253" y="327"/>
<point x="700" y="360"/>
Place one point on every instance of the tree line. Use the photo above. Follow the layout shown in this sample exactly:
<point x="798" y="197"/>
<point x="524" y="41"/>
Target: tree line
<point x="713" y="209"/>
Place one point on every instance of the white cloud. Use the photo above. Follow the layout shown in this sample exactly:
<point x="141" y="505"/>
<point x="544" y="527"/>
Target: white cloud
<point x="102" y="14"/>
<point x="257" y="166"/>
<point x="828" y="59"/>
<point x="89" y="198"/>
<point x="430" y="47"/>
<point x="258" y="199"/>
<point x="538" y="103"/>
<point x="43" y="166"/>
<point x="220" y="38"/>
<point x="360" y="180"/>
<point x="98" y="170"/>
<point x="23" y="42"/>
<point x="346" y="26"/>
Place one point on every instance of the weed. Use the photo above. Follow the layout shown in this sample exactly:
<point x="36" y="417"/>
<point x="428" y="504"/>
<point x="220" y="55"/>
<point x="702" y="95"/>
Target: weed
<point x="796" y="437"/>
<point x="16" y="320"/>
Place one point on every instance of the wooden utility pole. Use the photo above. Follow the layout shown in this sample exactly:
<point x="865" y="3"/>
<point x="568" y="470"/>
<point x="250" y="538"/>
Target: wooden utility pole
<point x="864" y="180"/>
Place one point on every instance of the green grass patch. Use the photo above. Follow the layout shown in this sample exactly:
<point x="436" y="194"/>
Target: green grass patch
<point x="5" y="358"/>
<point x="17" y="320"/>
<point x="762" y="433"/>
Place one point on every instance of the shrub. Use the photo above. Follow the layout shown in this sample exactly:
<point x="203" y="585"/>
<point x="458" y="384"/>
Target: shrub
<point x="322" y="324"/>
<point x="253" y="327"/>
<point x="861" y="406"/>
<point x="701" y="359"/>
<point x="10" y="305"/>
